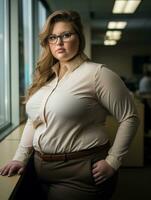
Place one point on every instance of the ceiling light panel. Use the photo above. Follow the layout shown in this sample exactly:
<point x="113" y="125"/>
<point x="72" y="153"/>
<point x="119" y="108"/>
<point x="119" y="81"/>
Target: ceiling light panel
<point x="110" y="42"/>
<point x="117" y="25"/>
<point x="113" y="35"/>
<point x="119" y="6"/>
<point x="125" y="6"/>
<point x="131" y="6"/>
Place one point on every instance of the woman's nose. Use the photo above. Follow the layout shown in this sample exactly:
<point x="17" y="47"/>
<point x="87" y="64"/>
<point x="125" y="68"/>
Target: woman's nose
<point x="59" y="40"/>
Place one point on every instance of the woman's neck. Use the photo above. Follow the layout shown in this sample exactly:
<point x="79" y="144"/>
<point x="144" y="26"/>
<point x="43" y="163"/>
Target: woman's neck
<point x="62" y="69"/>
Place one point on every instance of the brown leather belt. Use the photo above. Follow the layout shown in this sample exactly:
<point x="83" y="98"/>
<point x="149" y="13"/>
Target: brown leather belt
<point x="72" y="155"/>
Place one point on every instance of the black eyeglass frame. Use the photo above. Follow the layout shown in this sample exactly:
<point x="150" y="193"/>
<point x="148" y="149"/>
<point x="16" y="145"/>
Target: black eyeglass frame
<point x="61" y="37"/>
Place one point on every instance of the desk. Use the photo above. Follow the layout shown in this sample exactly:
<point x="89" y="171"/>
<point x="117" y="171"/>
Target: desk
<point x="7" y="150"/>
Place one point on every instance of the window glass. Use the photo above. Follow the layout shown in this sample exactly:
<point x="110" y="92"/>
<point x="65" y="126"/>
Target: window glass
<point x="32" y="16"/>
<point x="42" y="15"/>
<point x="4" y="65"/>
<point x="26" y="63"/>
<point x="27" y="41"/>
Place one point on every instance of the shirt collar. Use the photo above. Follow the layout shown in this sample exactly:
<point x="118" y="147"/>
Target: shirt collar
<point x="72" y="64"/>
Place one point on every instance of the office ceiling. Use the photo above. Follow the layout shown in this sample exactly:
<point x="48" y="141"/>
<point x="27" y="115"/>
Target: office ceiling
<point x="99" y="12"/>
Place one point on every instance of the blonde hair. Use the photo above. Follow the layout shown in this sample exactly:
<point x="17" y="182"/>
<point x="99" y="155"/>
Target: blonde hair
<point x="43" y="72"/>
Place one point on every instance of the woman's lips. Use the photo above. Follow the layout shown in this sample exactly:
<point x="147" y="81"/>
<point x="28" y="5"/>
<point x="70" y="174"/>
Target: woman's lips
<point x="60" y="50"/>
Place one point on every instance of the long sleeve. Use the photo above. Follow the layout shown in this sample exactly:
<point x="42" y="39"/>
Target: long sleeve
<point x="26" y="144"/>
<point x="115" y="97"/>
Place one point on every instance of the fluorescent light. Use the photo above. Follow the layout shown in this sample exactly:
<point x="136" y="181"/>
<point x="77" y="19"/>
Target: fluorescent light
<point x="119" y="6"/>
<point x="110" y="42"/>
<point x="113" y="35"/>
<point x="117" y="25"/>
<point x="121" y="25"/>
<point x="125" y="6"/>
<point x="131" y="6"/>
<point x="111" y="25"/>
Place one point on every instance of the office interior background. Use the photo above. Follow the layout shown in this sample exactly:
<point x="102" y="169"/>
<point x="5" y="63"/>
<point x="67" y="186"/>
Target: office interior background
<point x="121" y="39"/>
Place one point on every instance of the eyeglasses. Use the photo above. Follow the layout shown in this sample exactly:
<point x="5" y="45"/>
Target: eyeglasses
<point x="64" y="37"/>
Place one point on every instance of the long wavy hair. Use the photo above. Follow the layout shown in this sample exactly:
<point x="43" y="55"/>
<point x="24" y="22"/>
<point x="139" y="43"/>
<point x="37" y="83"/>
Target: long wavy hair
<point x="43" y="72"/>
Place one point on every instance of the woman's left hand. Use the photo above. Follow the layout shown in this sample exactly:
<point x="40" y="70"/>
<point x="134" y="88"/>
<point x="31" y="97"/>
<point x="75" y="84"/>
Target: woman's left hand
<point x="101" y="171"/>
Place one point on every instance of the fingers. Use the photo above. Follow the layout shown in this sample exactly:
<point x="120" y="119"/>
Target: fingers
<point x="4" y="170"/>
<point x="12" y="168"/>
<point x="101" y="171"/>
<point x="7" y="170"/>
<point x="20" y="171"/>
<point x="94" y="170"/>
<point x="100" y="180"/>
<point x="98" y="177"/>
<point x="97" y="170"/>
<point x="94" y="165"/>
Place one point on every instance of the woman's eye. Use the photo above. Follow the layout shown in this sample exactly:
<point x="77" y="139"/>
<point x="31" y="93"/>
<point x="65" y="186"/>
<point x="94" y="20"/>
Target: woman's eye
<point x="66" y="35"/>
<point x="53" y="37"/>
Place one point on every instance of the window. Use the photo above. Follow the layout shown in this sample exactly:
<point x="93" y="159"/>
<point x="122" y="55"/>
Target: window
<point x="32" y="16"/>
<point x="42" y="15"/>
<point x="4" y="65"/>
<point x="26" y="53"/>
<point x="27" y="41"/>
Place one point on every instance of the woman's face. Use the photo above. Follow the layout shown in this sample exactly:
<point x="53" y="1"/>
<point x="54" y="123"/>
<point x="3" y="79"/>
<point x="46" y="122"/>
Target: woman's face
<point x="67" y="45"/>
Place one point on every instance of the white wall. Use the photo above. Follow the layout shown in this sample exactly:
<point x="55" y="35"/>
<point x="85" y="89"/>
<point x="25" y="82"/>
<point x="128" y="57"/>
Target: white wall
<point x="119" y="59"/>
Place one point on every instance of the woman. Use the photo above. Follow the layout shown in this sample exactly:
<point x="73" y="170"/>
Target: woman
<point x="67" y="106"/>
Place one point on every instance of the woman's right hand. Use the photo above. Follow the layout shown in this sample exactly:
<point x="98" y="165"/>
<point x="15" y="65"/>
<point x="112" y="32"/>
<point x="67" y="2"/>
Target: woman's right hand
<point x="12" y="168"/>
